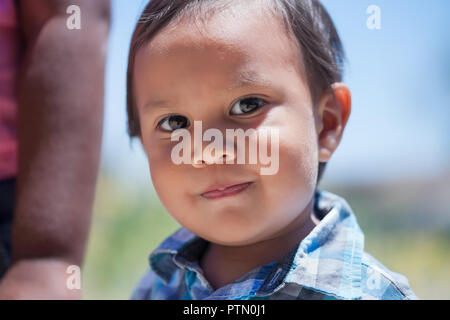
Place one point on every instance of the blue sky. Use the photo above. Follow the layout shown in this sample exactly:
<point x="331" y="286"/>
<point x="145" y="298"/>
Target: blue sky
<point x="400" y="82"/>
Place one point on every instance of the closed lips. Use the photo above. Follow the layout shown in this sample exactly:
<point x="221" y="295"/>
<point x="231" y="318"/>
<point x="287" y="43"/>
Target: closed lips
<point x="220" y="191"/>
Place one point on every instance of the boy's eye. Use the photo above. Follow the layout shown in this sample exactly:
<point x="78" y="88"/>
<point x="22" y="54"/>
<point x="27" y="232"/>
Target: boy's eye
<point x="247" y="105"/>
<point x="172" y="123"/>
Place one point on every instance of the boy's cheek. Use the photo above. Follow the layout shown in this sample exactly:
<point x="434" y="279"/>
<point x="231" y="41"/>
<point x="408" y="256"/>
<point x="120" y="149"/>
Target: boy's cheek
<point x="297" y="163"/>
<point x="165" y="175"/>
<point x="158" y="149"/>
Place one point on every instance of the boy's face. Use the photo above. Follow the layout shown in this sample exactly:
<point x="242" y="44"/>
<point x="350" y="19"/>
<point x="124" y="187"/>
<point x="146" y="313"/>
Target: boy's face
<point x="197" y="71"/>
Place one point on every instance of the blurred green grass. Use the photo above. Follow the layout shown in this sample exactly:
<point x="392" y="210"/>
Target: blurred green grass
<point x="126" y="227"/>
<point x="129" y="222"/>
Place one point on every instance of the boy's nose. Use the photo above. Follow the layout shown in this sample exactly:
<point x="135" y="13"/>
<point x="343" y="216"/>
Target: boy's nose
<point x="205" y="156"/>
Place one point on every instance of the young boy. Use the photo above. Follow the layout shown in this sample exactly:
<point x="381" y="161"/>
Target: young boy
<point x="252" y="65"/>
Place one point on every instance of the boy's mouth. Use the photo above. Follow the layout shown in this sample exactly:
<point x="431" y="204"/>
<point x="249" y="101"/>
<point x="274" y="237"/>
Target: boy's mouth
<point x="219" y="191"/>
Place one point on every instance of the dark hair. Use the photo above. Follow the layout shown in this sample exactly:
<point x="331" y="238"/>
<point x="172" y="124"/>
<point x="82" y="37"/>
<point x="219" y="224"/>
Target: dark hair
<point x="322" y="50"/>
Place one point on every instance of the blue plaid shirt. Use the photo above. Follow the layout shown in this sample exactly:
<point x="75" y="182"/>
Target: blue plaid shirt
<point x="330" y="263"/>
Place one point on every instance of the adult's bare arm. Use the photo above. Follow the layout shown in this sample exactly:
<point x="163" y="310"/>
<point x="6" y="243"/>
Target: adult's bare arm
<point x="60" y="118"/>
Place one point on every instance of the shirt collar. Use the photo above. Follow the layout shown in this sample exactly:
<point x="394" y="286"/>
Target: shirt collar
<point x="328" y="260"/>
<point x="180" y="250"/>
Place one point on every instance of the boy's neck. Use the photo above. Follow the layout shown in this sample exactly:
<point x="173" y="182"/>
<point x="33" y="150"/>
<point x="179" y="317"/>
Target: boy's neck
<point x="224" y="264"/>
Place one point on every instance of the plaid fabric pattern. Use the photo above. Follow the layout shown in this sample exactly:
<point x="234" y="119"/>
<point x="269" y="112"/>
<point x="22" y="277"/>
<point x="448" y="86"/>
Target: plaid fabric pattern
<point x="330" y="263"/>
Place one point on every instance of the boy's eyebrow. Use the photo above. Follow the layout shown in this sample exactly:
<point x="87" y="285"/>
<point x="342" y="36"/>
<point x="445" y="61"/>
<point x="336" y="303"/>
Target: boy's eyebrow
<point x="249" y="78"/>
<point x="155" y="103"/>
<point x="244" y="79"/>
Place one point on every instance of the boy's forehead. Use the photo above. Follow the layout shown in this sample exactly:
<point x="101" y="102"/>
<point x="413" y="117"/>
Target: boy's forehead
<point x="231" y="43"/>
<point x="248" y="30"/>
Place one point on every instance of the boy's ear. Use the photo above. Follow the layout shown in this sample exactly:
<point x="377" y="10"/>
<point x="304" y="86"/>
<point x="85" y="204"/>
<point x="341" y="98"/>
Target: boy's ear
<point x="332" y="114"/>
